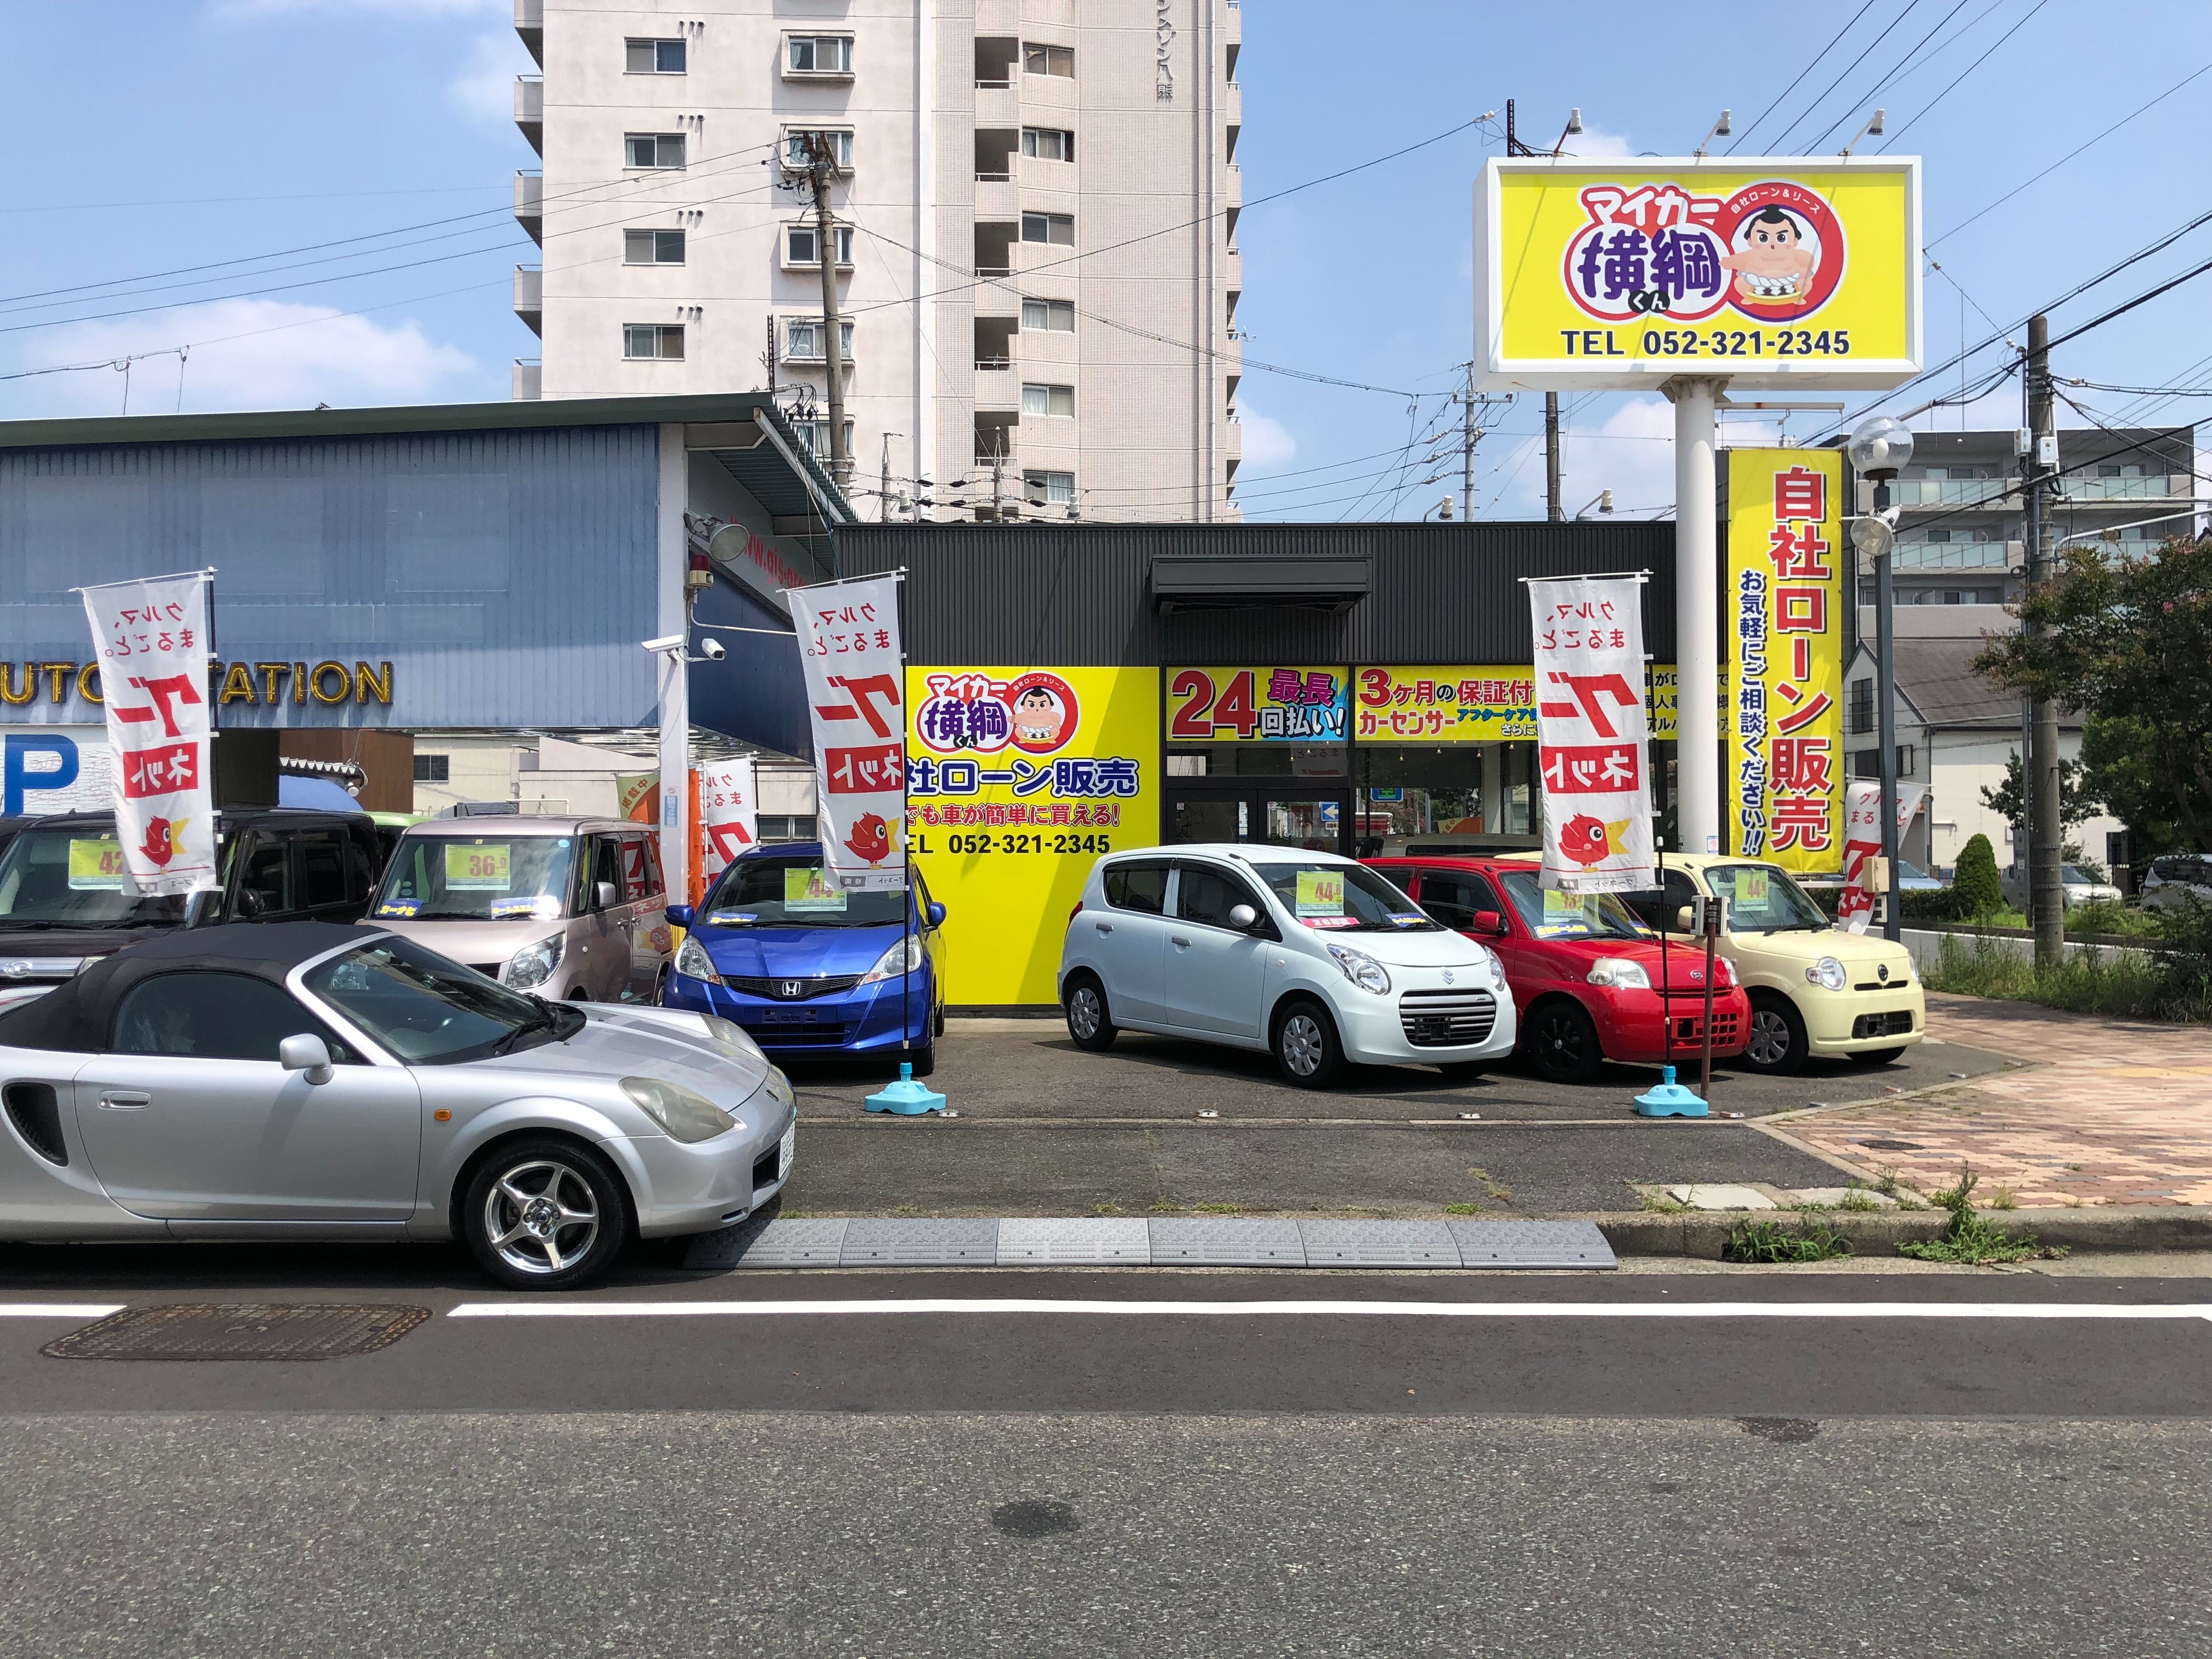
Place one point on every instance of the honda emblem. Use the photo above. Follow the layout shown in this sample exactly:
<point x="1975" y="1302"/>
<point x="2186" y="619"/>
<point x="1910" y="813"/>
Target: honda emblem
<point x="790" y="988"/>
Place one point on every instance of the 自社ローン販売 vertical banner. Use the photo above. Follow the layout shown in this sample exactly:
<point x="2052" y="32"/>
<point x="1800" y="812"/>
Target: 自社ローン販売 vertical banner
<point x="1783" y="658"/>
<point x="1593" y="741"/>
<point x="848" y="647"/>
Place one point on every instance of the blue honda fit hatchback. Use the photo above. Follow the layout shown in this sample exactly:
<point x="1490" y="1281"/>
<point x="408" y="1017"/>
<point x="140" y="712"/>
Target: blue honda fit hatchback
<point x="810" y="971"/>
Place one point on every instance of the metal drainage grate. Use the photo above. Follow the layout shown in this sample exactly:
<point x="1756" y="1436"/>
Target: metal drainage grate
<point x="243" y="1331"/>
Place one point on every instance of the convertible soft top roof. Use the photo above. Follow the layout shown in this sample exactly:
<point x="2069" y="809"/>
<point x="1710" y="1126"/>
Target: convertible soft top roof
<point x="75" y="1016"/>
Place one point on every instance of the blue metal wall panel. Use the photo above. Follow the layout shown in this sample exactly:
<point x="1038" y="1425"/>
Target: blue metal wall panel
<point x="508" y="576"/>
<point x="756" y="693"/>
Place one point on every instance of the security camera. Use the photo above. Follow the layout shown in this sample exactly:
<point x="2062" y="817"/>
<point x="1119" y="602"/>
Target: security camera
<point x="665" y="643"/>
<point x="713" y="650"/>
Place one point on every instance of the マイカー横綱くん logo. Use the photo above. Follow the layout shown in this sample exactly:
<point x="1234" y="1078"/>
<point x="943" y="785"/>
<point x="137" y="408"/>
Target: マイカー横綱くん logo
<point x="1772" y="251"/>
<point x="1036" y="713"/>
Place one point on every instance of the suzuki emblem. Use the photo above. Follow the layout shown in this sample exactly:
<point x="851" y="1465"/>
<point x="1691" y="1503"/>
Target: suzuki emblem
<point x="1449" y="980"/>
<point x="791" y="987"/>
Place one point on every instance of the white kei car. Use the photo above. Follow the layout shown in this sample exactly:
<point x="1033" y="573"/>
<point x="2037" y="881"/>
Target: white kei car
<point x="1313" y="957"/>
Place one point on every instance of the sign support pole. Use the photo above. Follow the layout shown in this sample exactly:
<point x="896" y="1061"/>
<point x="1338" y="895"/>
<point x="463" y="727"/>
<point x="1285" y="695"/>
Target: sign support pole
<point x="1697" y="607"/>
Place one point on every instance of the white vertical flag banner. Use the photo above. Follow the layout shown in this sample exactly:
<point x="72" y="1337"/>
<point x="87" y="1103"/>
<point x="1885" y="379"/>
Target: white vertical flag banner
<point x="848" y="643"/>
<point x="151" y="640"/>
<point x="729" y="820"/>
<point x="1593" y="744"/>
<point x="1863" y="840"/>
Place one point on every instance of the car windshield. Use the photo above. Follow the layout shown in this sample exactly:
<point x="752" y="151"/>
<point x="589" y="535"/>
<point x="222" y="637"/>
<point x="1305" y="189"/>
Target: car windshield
<point x="2072" y="875"/>
<point x="1761" y="899"/>
<point x="74" y="879"/>
<point x="773" y="891"/>
<point x="1343" y="898"/>
<point x="477" y="878"/>
<point x="1550" y="913"/>
<point x="430" y="1012"/>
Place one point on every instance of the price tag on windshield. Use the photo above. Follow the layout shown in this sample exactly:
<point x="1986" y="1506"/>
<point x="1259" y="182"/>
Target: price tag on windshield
<point x="95" y="867"/>
<point x="1320" y="893"/>
<point x="805" y="893"/>
<point x="477" y="866"/>
<point x="1566" y="912"/>
<point x="1750" y="887"/>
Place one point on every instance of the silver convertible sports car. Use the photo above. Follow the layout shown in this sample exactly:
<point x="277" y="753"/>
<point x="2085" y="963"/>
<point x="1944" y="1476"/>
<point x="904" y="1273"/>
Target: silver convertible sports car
<point x="306" y="1080"/>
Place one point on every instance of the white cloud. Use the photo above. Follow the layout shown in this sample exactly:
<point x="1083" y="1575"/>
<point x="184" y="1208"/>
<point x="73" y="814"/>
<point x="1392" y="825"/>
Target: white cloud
<point x="1596" y="141"/>
<point x="1268" y="443"/>
<point x="240" y="11"/>
<point x="485" y="89"/>
<point x="247" y="353"/>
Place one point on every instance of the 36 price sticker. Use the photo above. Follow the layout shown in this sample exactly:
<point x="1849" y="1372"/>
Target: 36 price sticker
<point x="478" y="865"/>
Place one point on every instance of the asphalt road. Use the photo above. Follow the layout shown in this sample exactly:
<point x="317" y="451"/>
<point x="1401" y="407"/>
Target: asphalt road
<point x="1165" y="1483"/>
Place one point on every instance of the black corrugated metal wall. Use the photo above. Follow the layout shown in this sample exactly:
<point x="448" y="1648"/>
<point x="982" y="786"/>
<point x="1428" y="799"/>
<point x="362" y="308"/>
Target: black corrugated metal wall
<point x="1077" y="595"/>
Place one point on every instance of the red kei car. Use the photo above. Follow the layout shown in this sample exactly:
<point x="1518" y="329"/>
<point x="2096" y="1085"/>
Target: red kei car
<point x="1586" y="973"/>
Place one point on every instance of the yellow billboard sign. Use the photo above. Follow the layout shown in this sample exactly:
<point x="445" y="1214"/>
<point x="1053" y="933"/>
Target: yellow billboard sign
<point x="1272" y="703"/>
<point x="1612" y="273"/>
<point x="1450" y="704"/>
<point x="1783" y="660"/>
<point x="1017" y="779"/>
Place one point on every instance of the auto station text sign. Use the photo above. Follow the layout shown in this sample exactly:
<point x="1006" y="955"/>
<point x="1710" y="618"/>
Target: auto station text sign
<point x="1612" y="273"/>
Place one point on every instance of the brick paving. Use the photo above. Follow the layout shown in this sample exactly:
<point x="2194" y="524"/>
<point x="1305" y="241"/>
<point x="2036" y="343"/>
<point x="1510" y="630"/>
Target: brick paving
<point x="2102" y="1112"/>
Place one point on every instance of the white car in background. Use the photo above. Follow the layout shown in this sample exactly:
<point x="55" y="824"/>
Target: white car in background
<point x="1308" y="956"/>
<point x="2174" y="879"/>
<point x="2076" y="886"/>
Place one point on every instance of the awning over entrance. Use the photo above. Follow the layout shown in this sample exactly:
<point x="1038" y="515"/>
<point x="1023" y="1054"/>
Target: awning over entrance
<point x="1181" y="581"/>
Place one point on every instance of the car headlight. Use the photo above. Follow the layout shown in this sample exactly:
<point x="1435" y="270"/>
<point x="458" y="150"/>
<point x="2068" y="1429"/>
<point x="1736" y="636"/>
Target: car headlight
<point x="685" y="1115"/>
<point x="1361" y="968"/>
<point x="533" y="964"/>
<point x="904" y="957"/>
<point x="729" y="1031"/>
<point x="1828" y="973"/>
<point x="1911" y="971"/>
<point x="1620" y="973"/>
<point x="693" y="962"/>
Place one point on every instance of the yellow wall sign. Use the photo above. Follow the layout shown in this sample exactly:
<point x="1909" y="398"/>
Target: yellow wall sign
<point x="1783" y="659"/>
<point x="1468" y="704"/>
<point x="1621" y="273"/>
<point x="1017" y="780"/>
<point x="1268" y="704"/>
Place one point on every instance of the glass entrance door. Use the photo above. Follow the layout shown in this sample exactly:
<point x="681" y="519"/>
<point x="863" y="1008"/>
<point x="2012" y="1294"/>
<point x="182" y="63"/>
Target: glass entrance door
<point x="1262" y="814"/>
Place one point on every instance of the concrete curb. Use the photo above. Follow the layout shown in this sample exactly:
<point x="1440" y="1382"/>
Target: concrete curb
<point x="1703" y="1234"/>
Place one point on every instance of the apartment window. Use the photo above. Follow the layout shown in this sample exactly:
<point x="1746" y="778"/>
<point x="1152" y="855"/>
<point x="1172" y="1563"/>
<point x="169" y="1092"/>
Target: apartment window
<point x="652" y="56"/>
<point x="652" y="247"/>
<point x="801" y="246"/>
<point x="1049" y="400"/>
<point x="1047" y="144"/>
<point x="1059" y="228"/>
<point x="818" y="54"/>
<point x="775" y="826"/>
<point x="434" y="769"/>
<point x="1052" y="316"/>
<point x="803" y="341"/>
<point x="1048" y="60"/>
<point x="653" y="340"/>
<point x="1049" y="489"/>
<point x="798" y="148"/>
<point x="1862" y="705"/>
<point x="653" y="150"/>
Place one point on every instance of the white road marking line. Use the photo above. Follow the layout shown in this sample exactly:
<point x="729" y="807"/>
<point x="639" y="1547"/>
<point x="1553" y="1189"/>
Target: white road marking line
<point x="59" y="1309"/>
<point x="1383" y="1309"/>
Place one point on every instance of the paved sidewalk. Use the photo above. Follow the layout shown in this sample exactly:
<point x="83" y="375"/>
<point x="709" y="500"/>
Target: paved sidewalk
<point x="2109" y="1112"/>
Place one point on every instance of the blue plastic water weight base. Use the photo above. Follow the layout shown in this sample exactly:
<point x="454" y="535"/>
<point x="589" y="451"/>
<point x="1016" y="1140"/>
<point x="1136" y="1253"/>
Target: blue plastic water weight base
<point x="911" y="1099"/>
<point x="1668" y="1098"/>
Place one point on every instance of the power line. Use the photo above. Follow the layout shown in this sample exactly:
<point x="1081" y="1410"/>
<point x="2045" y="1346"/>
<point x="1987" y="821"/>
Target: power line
<point x="1783" y="143"/>
<point x="1791" y="84"/>
<point x="1888" y="80"/>
<point x="1963" y="74"/>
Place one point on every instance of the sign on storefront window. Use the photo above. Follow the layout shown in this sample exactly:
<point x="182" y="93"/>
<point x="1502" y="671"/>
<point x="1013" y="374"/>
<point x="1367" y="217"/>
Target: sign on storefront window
<point x="1273" y="704"/>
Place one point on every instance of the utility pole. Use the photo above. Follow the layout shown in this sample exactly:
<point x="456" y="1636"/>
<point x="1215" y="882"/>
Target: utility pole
<point x="883" y="495"/>
<point x="1551" y="457"/>
<point x="997" y="484"/>
<point x="2046" y="898"/>
<point x="1466" y="448"/>
<point x="822" y="167"/>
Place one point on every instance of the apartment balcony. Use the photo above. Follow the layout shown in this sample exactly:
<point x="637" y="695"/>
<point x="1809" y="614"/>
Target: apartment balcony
<point x="998" y="104"/>
<point x="529" y="203"/>
<point x="1955" y="492"/>
<point x="997" y="388"/>
<point x="1232" y="33"/>
<point x="1232" y="104"/>
<point x="528" y="383"/>
<point x="1997" y="556"/>
<point x="996" y="198"/>
<point x="1232" y="438"/>
<point x="1233" y="186"/>
<point x="998" y="17"/>
<point x="529" y="109"/>
<point x="2082" y="489"/>
<point x="994" y="301"/>
<point x="530" y="296"/>
<point x="529" y="24"/>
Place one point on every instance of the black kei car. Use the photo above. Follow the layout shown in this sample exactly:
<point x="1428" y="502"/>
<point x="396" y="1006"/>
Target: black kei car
<point x="279" y="864"/>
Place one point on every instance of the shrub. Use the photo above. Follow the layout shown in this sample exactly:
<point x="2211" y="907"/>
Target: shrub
<point x="1970" y="1238"/>
<point x="1974" y="888"/>
<point x="1769" y="1241"/>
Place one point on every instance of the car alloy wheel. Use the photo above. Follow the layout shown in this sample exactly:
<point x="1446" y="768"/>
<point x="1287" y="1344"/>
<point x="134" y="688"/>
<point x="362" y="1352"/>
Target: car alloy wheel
<point x="1304" y="1046"/>
<point x="1085" y="1015"/>
<point x="541" y="1216"/>
<point x="1777" y="1038"/>
<point x="1562" y="1044"/>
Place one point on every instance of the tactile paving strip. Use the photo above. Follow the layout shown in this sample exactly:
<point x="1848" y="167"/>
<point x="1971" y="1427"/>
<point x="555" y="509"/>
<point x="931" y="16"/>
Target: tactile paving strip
<point x="243" y="1331"/>
<point x="794" y="1241"/>
<point x="1221" y="1242"/>
<point x="1109" y="1241"/>
<point x="920" y="1243"/>
<point x="1531" y="1244"/>
<point x="1378" y="1244"/>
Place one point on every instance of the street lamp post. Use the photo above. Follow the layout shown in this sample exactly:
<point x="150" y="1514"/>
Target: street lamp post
<point x="1877" y="451"/>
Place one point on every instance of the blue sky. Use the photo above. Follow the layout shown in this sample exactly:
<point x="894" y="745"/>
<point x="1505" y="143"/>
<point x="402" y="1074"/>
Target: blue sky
<point x="202" y="131"/>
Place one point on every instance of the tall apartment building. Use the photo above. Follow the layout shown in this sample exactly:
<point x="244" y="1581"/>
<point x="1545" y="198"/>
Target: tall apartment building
<point x="1035" y="207"/>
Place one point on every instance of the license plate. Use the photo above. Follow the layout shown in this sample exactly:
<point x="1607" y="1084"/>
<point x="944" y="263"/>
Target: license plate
<point x="786" y="1016"/>
<point x="786" y="1148"/>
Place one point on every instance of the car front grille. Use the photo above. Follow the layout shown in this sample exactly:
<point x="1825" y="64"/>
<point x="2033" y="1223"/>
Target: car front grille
<point x="793" y="989"/>
<point x="797" y="1037"/>
<point x="1896" y="1023"/>
<point x="767" y="1167"/>
<point x="1447" y="1020"/>
<point x="1728" y="1029"/>
<point x="489" y="969"/>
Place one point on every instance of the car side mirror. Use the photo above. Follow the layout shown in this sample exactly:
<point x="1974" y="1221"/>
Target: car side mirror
<point x="253" y="902"/>
<point x="604" y="896"/>
<point x="679" y="915"/>
<point x="306" y="1053"/>
<point x="1686" y="920"/>
<point x="934" y="913"/>
<point x="1243" y="916"/>
<point x="1489" y="921"/>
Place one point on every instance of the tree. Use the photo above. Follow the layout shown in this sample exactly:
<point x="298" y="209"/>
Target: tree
<point x="2076" y="803"/>
<point x="2129" y="639"/>
<point x="2117" y="764"/>
<point x="1974" y="889"/>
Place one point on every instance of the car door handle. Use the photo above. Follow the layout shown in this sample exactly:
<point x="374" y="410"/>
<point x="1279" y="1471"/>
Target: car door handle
<point x="1177" y="939"/>
<point x="125" y="1100"/>
<point x="1103" y="926"/>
